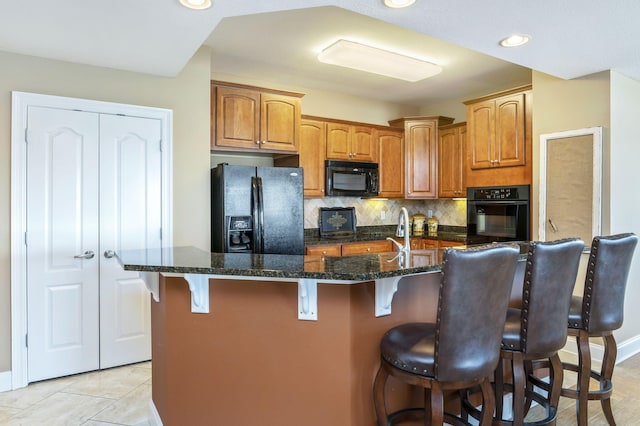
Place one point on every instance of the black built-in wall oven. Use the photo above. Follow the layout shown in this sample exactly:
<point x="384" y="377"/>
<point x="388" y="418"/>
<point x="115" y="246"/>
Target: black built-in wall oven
<point x="497" y="213"/>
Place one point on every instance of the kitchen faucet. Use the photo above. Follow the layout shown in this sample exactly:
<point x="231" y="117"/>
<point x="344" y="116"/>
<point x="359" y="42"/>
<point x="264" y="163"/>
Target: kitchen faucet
<point x="402" y="230"/>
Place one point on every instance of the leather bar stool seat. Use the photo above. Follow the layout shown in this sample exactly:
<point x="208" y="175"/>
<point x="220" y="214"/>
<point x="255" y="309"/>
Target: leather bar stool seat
<point x="597" y="313"/>
<point x="461" y="348"/>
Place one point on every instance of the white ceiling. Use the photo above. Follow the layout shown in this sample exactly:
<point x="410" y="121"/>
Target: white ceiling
<point x="277" y="40"/>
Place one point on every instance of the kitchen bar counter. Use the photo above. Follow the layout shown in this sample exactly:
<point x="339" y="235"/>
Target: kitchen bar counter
<point x="190" y="260"/>
<point x="249" y="360"/>
<point x="197" y="267"/>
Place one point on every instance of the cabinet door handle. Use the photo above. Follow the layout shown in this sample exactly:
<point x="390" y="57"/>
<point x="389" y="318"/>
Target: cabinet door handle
<point x="257" y="142"/>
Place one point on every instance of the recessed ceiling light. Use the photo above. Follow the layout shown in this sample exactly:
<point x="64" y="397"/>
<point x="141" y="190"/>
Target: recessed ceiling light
<point x="514" y="40"/>
<point x="196" y="4"/>
<point x="397" y="4"/>
<point x="371" y="59"/>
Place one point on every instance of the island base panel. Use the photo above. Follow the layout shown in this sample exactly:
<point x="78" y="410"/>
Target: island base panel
<point x="250" y="361"/>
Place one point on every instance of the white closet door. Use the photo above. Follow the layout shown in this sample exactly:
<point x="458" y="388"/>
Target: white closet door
<point x="62" y="232"/>
<point x="130" y="217"/>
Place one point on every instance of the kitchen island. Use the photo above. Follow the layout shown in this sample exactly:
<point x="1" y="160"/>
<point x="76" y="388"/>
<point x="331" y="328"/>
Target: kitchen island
<point x="241" y="339"/>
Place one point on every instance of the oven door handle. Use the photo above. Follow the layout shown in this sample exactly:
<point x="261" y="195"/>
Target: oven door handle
<point x="491" y="202"/>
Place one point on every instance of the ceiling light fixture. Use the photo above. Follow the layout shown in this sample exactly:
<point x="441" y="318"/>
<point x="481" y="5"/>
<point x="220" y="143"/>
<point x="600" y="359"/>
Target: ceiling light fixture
<point x="371" y="59"/>
<point x="397" y="4"/>
<point x="196" y="4"/>
<point x="514" y="40"/>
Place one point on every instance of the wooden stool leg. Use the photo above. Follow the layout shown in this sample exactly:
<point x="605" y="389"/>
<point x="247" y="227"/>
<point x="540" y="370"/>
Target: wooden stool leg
<point x="488" y="403"/>
<point x="378" y="396"/>
<point x="519" y="380"/>
<point x="608" y="363"/>
<point x="556" y="374"/>
<point x="499" y="386"/>
<point x="434" y="402"/>
<point x="584" y="375"/>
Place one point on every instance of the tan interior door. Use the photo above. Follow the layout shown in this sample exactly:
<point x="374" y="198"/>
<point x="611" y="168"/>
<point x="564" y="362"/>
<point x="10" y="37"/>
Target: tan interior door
<point x="569" y="186"/>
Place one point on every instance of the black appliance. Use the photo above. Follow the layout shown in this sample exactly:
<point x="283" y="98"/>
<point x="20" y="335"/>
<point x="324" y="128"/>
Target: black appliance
<point x="351" y="178"/>
<point x="257" y="210"/>
<point x="497" y="213"/>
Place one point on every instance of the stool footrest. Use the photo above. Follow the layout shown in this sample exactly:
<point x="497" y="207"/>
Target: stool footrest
<point x="550" y="420"/>
<point x="417" y="413"/>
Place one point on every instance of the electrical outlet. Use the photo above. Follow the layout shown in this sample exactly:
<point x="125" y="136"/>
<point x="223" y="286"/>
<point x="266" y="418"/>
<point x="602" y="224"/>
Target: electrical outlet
<point x="383" y="214"/>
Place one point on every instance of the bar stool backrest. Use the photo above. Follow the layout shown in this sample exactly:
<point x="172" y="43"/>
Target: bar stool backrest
<point x="606" y="282"/>
<point x="550" y="276"/>
<point x="473" y="298"/>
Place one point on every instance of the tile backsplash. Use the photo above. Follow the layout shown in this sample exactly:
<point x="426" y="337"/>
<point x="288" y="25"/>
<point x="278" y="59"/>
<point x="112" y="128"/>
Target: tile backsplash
<point x="386" y="212"/>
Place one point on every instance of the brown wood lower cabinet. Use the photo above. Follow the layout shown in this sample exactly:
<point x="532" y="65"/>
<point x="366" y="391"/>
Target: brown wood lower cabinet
<point x="375" y="246"/>
<point x="426" y="243"/>
<point x="445" y="243"/>
<point x="324" y="250"/>
<point x="350" y="249"/>
<point x="366" y="247"/>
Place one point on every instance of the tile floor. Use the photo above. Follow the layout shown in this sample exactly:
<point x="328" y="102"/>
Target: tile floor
<point x="120" y="396"/>
<point x="117" y="396"/>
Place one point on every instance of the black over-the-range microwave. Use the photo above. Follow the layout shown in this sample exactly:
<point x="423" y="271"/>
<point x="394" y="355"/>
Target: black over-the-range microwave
<point x="350" y="178"/>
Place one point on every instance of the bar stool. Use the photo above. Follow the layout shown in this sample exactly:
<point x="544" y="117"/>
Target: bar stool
<point x="597" y="313"/>
<point x="538" y="329"/>
<point x="461" y="348"/>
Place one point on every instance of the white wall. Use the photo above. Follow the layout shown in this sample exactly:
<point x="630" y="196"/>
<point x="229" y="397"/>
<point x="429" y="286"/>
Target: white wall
<point x="610" y="100"/>
<point x="187" y="95"/>
<point x="625" y="203"/>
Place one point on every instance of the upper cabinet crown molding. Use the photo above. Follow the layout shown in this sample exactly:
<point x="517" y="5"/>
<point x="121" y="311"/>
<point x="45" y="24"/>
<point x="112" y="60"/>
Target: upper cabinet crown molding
<point x="507" y="92"/>
<point x="257" y="89"/>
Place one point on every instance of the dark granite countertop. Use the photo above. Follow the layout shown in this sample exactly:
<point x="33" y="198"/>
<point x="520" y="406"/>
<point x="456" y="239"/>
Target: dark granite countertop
<point x="190" y="260"/>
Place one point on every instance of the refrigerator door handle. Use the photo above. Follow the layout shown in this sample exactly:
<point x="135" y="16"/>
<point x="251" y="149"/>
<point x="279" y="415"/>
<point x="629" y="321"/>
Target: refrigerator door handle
<point x="255" y="208"/>
<point x="260" y="217"/>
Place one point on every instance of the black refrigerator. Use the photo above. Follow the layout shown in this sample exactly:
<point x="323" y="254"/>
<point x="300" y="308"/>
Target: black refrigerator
<point x="257" y="210"/>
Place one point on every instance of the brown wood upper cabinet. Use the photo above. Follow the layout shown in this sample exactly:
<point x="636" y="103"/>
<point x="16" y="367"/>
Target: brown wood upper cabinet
<point x="391" y="162"/>
<point x="451" y="160"/>
<point x="246" y="118"/>
<point x="421" y="154"/>
<point x="499" y="138"/>
<point x="351" y="142"/>
<point x="497" y="130"/>
<point x="313" y="139"/>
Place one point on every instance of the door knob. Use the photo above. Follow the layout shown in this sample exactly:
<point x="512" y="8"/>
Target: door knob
<point x="87" y="255"/>
<point x="109" y="254"/>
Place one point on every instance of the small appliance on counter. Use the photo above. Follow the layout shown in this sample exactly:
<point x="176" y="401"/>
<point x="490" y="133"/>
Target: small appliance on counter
<point x="337" y="222"/>
<point x="432" y="225"/>
<point x="418" y="224"/>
